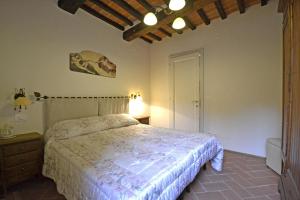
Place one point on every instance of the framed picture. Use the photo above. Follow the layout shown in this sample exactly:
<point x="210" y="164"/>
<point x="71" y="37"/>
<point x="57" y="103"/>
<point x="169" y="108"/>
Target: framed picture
<point x="92" y="63"/>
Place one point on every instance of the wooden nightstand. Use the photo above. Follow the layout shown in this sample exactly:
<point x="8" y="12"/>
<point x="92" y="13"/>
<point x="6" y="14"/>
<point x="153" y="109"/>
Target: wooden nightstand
<point x="143" y="120"/>
<point x="20" y="159"/>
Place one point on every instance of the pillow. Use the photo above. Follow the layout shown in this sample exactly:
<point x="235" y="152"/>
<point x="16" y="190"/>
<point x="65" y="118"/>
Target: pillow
<point x="76" y="127"/>
<point x="118" y="120"/>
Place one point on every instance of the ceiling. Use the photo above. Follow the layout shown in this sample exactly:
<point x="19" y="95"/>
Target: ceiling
<point x="127" y="15"/>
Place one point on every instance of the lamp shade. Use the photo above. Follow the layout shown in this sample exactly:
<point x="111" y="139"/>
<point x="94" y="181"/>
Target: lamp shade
<point x="178" y="23"/>
<point x="22" y="101"/>
<point x="136" y="105"/>
<point x="150" y="19"/>
<point x="176" y="5"/>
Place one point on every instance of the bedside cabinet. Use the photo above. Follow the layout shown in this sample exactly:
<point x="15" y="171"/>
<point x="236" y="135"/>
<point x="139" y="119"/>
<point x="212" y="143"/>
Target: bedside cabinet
<point x="20" y="158"/>
<point x="143" y="120"/>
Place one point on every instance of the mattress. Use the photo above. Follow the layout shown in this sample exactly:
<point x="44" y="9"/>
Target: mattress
<point x="134" y="162"/>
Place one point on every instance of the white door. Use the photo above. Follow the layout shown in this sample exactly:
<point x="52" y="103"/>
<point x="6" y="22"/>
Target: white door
<point x="187" y="91"/>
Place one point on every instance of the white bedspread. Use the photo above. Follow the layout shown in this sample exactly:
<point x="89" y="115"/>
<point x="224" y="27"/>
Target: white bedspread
<point x="134" y="162"/>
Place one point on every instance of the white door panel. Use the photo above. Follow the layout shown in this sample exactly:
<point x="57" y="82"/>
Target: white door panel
<point x="186" y="90"/>
<point x="185" y="94"/>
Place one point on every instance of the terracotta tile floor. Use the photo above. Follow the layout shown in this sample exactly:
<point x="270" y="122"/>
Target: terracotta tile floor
<point x="243" y="178"/>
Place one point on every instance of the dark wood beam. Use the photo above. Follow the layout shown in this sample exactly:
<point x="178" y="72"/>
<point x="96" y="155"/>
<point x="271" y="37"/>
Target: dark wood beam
<point x="123" y="4"/>
<point x="203" y="16"/>
<point x="155" y="37"/>
<point x="147" y="5"/>
<point x="112" y="11"/>
<point x="70" y="6"/>
<point x="163" y="19"/>
<point x="189" y="23"/>
<point x="164" y="31"/>
<point x="102" y="17"/>
<point x="241" y="4"/>
<point x="264" y="2"/>
<point x="220" y="9"/>
<point x="178" y="31"/>
<point x="146" y="39"/>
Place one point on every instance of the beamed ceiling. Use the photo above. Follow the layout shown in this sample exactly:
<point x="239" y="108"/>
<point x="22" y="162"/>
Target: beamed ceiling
<point x="127" y="15"/>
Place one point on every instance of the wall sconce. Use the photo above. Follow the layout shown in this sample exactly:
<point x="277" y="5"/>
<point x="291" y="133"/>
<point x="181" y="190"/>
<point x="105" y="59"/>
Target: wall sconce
<point x="21" y="100"/>
<point x="136" y="96"/>
<point x="136" y="106"/>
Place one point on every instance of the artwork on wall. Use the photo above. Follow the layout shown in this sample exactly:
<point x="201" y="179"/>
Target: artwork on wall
<point x="92" y="63"/>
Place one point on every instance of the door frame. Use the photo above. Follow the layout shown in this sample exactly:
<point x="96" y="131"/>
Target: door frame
<point x="200" y="54"/>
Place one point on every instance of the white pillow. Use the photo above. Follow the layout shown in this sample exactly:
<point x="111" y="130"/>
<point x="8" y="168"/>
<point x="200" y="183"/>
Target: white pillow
<point x="76" y="127"/>
<point x="118" y="120"/>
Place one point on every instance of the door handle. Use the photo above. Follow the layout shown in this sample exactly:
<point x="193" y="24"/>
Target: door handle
<point x="196" y="103"/>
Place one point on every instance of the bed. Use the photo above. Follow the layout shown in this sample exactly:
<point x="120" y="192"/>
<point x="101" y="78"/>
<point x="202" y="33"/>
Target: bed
<point x="112" y="156"/>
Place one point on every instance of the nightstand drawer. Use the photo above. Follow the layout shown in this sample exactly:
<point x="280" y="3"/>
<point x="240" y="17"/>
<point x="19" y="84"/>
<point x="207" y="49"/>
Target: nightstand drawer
<point x="21" y="147"/>
<point x="18" y="159"/>
<point x="22" y="170"/>
<point x="20" y="177"/>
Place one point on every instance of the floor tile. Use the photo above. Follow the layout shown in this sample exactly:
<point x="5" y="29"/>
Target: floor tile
<point x="258" y="198"/>
<point x="263" y="190"/>
<point x="242" y="180"/>
<point x="210" y="187"/>
<point x="274" y="197"/>
<point x="196" y="186"/>
<point x="230" y="195"/>
<point x="264" y="181"/>
<point x="190" y="196"/>
<point x="219" y="177"/>
<point x="262" y="173"/>
<point x="242" y="192"/>
<point x="210" y="196"/>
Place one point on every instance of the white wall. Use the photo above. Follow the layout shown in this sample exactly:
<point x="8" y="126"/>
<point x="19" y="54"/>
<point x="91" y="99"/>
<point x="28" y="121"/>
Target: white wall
<point x="242" y="67"/>
<point x="36" y="38"/>
<point x="243" y="77"/>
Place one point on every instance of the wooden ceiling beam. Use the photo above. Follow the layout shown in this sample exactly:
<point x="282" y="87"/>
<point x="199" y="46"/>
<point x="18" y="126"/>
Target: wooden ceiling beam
<point x="167" y="2"/>
<point x="112" y="12"/>
<point x="164" y="31"/>
<point x="70" y="6"/>
<point x="155" y="37"/>
<point x="241" y="5"/>
<point x="163" y="19"/>
<point x="178" y="31"/>
<point x="220" y="9"/>
<point x="102" y="17"/>
<point x="123" y="4"/>
<point x="189" y="23"/>
<point x="147" y="5"/>
<point x="203" y="16"/>
<point x="146" y="39"/>
<point x="264" y="2"/>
